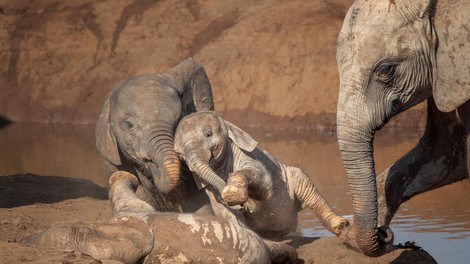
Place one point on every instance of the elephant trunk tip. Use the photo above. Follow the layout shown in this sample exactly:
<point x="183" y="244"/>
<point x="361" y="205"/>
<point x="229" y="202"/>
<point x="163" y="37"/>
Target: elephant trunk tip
<point x="172" y="169"/>
<point x="170" y="176"/>
<point x="368" y="244"/>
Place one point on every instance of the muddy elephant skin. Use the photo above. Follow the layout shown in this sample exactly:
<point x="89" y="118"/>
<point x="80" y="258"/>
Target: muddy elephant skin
<point x="139" y="234"/>
<point x="391" y="56"/>
<point x="135" y="129"/>
<point x="271" y="193"/>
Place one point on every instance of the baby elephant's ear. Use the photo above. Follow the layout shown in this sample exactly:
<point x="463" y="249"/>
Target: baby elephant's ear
<point x="106" y="143"/>
<point x="240" y="137"/>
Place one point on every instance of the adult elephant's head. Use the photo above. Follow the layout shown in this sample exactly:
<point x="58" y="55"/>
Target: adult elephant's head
<point x="392" y="55"/>
<point x="139" y="117"/>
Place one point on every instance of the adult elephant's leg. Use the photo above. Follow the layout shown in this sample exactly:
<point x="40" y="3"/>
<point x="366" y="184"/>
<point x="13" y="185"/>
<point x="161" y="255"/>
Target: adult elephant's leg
<point x="438" y="159"/>
<point x="464" y="115"/>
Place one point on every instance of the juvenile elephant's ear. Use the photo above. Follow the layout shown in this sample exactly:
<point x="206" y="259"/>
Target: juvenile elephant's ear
<point x="193" y="85"/>
<point x="105" y="140"/>
<point x="242" y="139"/>
<point x="452" y="72"/>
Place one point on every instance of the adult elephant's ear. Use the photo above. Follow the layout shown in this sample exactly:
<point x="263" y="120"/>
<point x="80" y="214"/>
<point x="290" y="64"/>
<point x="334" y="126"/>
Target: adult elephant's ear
<point x="105" y="140"/>
<point x="193" y="85"/>
<point x="452" y="71"/>
<point x="242" y="139"/>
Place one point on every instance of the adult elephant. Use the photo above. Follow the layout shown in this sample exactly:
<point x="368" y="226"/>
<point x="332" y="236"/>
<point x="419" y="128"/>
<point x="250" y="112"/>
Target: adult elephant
<point x="134" y="132"/>
<point x="392" y="55"/>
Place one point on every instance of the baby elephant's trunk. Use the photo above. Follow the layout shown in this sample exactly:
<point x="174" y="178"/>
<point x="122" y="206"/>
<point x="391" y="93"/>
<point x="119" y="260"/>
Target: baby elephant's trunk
<point x="205" y="172"/>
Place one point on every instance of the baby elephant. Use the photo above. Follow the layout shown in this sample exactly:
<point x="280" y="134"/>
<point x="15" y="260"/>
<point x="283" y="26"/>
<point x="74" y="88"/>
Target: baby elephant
<point x="139" y="234"/>
<point x="271" y="193"/>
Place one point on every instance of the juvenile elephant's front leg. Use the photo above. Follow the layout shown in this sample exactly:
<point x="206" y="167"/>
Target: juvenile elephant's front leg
<point x="244" y="184"/>
<point x="310" y="197"/>
<point x="145" y="191"/>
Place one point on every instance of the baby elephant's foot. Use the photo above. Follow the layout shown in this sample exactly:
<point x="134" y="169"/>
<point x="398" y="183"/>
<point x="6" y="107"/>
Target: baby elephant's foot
<point x="338" y="224"/>
<point x="235" y="194"/>
<point x="236" y="190"/>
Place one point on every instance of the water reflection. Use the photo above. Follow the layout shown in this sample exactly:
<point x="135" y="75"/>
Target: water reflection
<point x="55" y="150"/>
<point x="438" y="221"/>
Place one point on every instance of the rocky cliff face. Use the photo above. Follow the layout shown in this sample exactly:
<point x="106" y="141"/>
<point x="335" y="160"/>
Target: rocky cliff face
<point x="271" y="63"/>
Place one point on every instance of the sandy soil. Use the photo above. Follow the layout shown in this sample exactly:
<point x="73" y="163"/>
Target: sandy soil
<point x="29" y="203"/>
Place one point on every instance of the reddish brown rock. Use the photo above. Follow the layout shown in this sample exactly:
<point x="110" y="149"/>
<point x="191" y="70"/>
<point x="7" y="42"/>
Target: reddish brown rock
<point x="272" y="63"/>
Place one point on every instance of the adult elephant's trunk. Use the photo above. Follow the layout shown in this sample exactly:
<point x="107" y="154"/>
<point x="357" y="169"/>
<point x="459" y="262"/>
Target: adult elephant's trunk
<point x="205" y="172"/>
<point x="355" y="139"/>
<point x="166" y="173"/>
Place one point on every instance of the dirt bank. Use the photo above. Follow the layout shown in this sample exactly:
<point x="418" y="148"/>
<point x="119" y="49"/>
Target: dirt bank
<point x="29" y="203"/>
<point x="271" y="63"/>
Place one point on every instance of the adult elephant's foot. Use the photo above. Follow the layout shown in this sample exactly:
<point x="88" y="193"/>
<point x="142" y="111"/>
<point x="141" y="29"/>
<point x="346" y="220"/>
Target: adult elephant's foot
<point x="236" y="190"/>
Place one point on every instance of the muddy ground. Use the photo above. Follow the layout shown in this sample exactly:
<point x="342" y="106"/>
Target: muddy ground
<point x="29" y="203"/>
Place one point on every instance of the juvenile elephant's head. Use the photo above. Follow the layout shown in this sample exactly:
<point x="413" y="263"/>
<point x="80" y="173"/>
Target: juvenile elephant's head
<point x="138" y="120"/>
<point x="203" y="140"/>
<point x="392" y="55"/>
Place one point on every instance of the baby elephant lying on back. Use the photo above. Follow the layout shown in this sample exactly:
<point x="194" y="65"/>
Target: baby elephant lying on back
<point x="139" y="234"/>
<point x="271" y="193"/>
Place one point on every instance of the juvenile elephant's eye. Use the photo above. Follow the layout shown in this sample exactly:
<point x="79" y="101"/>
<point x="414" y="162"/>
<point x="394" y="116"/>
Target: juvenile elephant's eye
<point x="128" y="125"/>
<point x="208" y="133"/>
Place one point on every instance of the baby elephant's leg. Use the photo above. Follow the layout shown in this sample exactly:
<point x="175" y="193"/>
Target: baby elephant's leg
<point x="236" y="190"/>
<point x="309" y="197"/>
<point x="281" y="252"/>
<point x="127" y="240"/>
<point x="248" y="183"/>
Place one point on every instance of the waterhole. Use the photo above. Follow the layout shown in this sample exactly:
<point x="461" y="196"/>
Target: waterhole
<point x="438" y="221"/>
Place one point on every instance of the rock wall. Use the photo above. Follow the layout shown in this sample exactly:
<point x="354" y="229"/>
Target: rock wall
<point x="271" y="63"/>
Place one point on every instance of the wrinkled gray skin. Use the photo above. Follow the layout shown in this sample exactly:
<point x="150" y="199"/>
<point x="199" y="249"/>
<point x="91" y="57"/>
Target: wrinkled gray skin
<point x="135" y="129"/>
<point x="270" y="192"/>
<point x="391" y="56"/>
<point x="139" y="234"/>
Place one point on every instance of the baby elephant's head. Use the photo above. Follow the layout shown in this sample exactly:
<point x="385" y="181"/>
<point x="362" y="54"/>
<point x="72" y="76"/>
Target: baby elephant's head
<point x="202" y="139"/>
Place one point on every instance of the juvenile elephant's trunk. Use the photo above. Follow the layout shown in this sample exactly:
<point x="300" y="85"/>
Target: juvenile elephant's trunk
<point x="166" y="173"/>
<point x="205" y="172"/>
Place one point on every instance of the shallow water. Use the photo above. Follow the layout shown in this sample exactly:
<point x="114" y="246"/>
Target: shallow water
<point x="438" y="221"/>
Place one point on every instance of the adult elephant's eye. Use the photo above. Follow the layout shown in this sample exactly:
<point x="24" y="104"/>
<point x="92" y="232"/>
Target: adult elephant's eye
<point x="208" y="133"/>
<point x="385" y="70"/>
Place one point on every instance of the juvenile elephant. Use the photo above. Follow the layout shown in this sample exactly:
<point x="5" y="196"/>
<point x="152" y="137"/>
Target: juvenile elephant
<point x="392" y="55"/>
<point x="139" y="234"/>
<point x="135" y="129"/>
<point x="270" y="192"/>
